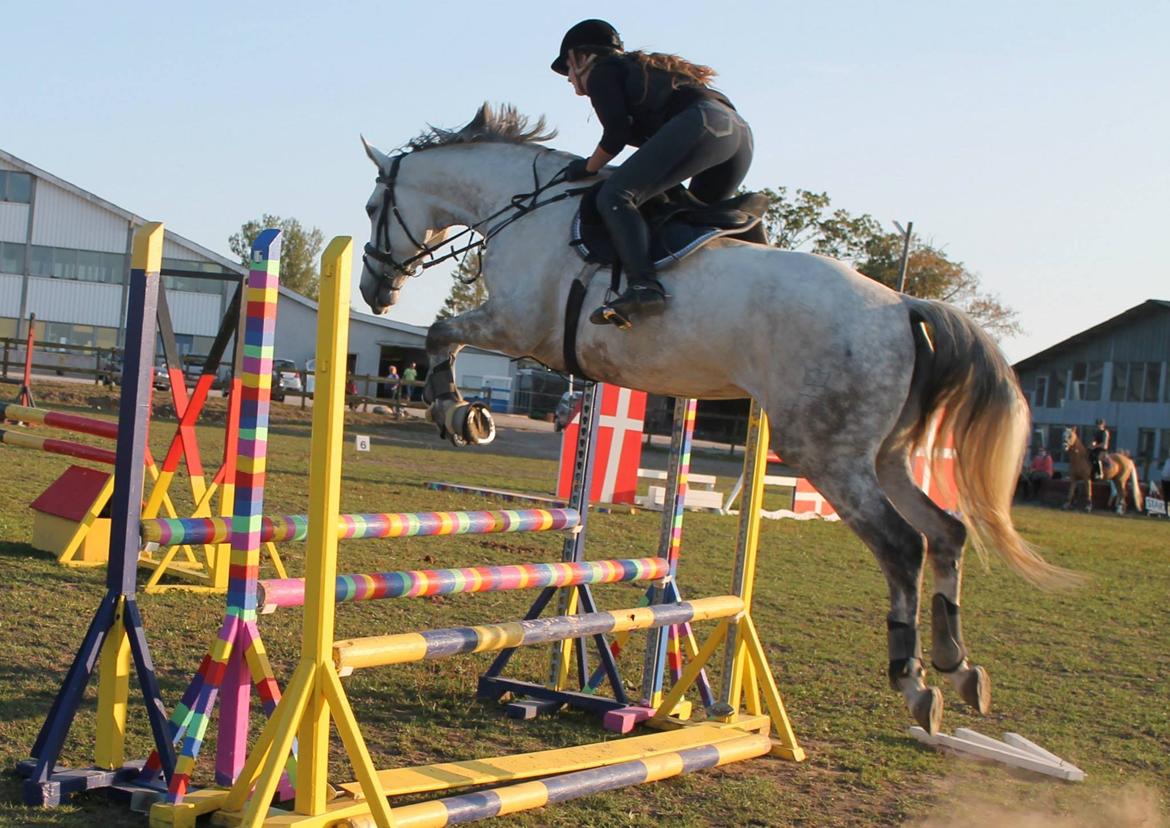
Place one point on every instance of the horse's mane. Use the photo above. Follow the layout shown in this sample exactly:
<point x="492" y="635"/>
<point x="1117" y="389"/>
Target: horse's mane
<point x="505" y="125"/>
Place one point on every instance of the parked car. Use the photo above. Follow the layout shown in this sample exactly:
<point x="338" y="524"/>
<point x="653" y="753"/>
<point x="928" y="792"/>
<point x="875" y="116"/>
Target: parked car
<point x="310" y="376"/>
<point x="193" y="370"/>
<point x="285" y="378"/>
<point x="193" y="367"/>
<point x="161" y="379"/>
<point x="567" y="408"/>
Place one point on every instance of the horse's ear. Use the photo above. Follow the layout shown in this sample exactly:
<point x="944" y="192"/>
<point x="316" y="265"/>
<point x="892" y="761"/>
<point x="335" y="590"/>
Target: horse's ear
<point x="380" y="159"/>
<point x="482" y="116"/>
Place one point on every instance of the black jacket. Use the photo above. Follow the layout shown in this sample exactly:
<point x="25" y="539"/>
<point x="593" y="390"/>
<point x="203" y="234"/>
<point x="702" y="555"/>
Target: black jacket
<point x="633" y="101"/>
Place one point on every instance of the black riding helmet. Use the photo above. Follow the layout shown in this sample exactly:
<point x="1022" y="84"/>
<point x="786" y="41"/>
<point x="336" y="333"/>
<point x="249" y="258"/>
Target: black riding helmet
<point x="590" y="36"/>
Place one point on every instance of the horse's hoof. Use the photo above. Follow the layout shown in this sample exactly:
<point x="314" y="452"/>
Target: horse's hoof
<point x="975" y="689"/>
<point x="927" y="709"/>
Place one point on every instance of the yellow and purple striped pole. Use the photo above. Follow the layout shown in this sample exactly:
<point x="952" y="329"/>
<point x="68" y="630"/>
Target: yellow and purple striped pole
<point x="404" y="648"/>
<point x="497" y="802"/>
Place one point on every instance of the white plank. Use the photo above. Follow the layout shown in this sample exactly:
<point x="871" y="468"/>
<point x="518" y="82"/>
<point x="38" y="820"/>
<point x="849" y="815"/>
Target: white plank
<point x="1009" y="758"/>
<point x="995" y="744"/>
<point x="1019" y="742"/>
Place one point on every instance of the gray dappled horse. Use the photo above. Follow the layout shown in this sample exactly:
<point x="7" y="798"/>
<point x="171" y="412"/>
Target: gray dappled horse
<point x="852" y="375"/>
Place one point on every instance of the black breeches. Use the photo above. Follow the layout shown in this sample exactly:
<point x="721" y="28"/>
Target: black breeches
<point x="709" y="143"/>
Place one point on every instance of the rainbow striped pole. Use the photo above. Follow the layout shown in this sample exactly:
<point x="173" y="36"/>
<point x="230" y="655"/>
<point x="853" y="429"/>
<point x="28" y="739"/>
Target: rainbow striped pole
<point x="424" y="583"/>
<point x="174" y="531"/>
<point x="237" y="653"/>
<point x="664" y="650"/>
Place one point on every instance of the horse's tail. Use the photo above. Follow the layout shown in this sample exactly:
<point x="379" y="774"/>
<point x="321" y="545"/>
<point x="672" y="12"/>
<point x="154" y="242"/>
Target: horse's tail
<point x="1138" y="501"/>
<point x="967" y="390"/>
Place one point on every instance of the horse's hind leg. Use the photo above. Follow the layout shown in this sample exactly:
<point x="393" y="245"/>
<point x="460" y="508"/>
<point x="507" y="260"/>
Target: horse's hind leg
<point x="858" y="498"/>
<point x="945" y="537"/>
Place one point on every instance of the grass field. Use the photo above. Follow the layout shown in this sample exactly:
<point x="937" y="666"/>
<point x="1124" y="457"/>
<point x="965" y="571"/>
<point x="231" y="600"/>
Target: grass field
<point x="1084" y="673"/>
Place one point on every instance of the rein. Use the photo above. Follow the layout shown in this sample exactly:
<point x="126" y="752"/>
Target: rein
<point x="519" y="206"/>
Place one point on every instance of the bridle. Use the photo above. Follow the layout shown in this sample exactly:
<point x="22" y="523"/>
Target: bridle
<point x="381" y="251"/>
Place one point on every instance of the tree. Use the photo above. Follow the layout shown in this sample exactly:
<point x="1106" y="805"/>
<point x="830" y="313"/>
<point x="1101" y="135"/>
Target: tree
<point x="468" y="289"/>
<point x="931" y="275"/>
<point x="299" y="251"/>
<point x="808" y="222"/>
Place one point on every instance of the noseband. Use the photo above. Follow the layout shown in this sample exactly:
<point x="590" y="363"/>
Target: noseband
<point x="380" y="249"/>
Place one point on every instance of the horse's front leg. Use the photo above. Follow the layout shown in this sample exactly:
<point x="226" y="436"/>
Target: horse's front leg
<point x="1089" y="493"/>
<point x="458" y="420"/>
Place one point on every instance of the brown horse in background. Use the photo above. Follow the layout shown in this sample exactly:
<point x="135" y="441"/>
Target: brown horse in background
<point x="1118" y="469"/>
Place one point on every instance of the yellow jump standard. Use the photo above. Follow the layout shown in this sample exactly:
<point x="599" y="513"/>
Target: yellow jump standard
<point x="315" y="697"/>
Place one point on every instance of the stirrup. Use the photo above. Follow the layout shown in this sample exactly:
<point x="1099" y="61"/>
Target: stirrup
<point x="648" y="298"/>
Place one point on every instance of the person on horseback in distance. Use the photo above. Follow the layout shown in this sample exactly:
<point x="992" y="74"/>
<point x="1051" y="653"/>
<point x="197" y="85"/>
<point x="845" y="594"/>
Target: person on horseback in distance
<point x="683" y="129"/>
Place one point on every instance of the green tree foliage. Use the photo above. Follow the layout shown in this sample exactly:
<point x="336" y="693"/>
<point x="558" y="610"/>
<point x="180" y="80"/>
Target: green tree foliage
<point x="930" y="274"/>
<point x="807" y="221"/>
<point x="299" y="251"/>
<point x="468" y="289"/>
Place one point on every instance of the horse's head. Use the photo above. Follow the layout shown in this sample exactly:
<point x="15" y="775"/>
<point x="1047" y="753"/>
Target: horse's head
<point x="1068" y="437"/>
<point x="402" y="231"/>
<point x="409" y="216"/>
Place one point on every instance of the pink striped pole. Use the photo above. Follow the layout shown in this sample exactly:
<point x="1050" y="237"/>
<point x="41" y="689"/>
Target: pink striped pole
<point x="290" y="592"/>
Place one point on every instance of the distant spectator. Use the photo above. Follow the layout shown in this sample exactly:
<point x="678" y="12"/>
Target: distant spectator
<point x="1039" y="473"/>
<point x="1166" y="479"/>
<point x="1097" y="448"/>
<point x="409" y="377"/>
<point x="391" y="381"/>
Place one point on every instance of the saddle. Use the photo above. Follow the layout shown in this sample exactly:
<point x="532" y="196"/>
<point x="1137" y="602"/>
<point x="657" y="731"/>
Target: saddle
<point x="679" y="225"/>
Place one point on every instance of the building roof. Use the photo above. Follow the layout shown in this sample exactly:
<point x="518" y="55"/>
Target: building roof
<point x="1146" y="309"/>
<point x="131" y="218"/>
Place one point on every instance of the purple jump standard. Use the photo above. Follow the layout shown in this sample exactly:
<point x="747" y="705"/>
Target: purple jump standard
<point x="290" y="592"/>
<point x="175" y="531"/>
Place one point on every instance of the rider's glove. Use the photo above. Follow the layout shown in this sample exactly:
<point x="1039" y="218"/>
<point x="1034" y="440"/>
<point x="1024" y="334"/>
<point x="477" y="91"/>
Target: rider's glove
<point x="577" y="169"/>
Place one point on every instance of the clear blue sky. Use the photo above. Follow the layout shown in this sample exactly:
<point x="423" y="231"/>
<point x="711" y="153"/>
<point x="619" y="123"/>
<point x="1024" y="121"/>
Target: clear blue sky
<point x="1030" y="140"/>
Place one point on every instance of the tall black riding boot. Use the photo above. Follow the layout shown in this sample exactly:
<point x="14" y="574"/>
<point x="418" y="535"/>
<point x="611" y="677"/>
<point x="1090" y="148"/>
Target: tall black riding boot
<point x="631" y="241"/>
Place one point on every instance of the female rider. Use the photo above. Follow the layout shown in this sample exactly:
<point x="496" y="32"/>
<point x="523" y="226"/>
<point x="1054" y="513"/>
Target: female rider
<point x="683" y="128"/>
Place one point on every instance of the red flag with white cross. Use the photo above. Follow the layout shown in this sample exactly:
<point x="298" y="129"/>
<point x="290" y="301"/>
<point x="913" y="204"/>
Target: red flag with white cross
<point x="619" y="447"/>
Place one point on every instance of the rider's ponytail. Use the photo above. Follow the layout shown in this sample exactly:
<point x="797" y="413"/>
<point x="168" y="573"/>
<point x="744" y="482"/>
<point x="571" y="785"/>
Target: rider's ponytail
<point x="675" y="65"/>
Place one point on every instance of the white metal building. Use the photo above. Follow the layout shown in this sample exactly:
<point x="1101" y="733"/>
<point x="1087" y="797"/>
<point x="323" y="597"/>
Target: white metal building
<point x="64" y="256"/>
<point x="376" y="342"/>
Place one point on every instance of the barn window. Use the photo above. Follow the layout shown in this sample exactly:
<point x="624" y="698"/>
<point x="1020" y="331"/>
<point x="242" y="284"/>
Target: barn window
<point x="15" y="186"/>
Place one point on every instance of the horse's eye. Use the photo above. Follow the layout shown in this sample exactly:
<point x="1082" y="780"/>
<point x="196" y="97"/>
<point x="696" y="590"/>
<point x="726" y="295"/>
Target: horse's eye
<point x="371" y="209"/>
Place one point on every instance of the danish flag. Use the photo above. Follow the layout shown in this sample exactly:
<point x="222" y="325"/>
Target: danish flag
<point x="618" y="450"/>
